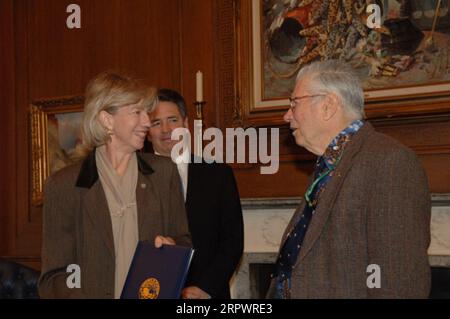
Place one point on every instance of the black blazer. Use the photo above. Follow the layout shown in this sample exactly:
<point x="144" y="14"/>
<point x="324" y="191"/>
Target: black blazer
<point x="215" y="221"/>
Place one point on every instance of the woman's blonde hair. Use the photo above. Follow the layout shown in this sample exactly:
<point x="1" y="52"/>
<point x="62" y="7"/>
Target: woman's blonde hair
<point x="109" y="91"/>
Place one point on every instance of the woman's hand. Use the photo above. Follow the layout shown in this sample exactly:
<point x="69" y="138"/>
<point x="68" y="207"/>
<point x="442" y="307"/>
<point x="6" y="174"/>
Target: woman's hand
<point x="194" y="292"/>
<point x="161" y="240"/>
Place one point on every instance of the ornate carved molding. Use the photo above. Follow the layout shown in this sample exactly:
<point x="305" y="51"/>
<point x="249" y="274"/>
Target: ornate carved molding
<point x="63" y="101"/>
<point x="227" y="14"/>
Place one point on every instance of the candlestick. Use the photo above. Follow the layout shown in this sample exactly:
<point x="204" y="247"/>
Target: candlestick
<point x="199" y="82"/>
<point x="198" y="129"/>
<point x="199" y="109"/>
<point x="198" y="138"/>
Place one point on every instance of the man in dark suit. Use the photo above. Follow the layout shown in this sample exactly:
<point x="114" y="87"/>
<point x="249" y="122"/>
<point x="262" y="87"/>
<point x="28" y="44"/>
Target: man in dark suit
<point x="212" y="204"/>
<point x="363" y="228"/>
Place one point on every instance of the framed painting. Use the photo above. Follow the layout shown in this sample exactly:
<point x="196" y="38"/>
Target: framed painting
<point x="403" y="64"/>
<point x="55" y="139"/>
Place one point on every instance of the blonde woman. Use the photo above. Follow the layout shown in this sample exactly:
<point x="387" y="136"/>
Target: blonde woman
<point x="96" y="211"/>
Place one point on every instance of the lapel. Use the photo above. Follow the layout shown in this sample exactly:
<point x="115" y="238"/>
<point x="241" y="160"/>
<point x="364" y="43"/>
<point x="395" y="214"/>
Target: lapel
<point x="94" y="203"/>
<point x="148" y="206"/>
<point x="96" y="206"/>
<point x="328" y="197"/>
<point x="193" y="180"/>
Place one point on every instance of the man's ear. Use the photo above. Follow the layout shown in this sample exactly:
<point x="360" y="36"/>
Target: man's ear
<point x="186" y="122"/>
<point x="106" y="120"/>
<point x="331" y="106"/>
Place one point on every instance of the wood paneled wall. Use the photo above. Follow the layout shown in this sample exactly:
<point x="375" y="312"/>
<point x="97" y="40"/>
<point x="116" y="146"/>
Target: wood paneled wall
<point x="164" y="42"/>
<point x="7" y="110"/>
<point x="42" y="59"/>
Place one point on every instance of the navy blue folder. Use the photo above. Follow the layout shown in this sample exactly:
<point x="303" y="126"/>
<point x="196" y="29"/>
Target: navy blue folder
<point x="157" y="273"/>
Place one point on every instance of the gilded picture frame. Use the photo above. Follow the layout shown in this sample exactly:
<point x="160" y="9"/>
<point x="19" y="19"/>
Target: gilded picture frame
<point x="388" y="96"/>
<point x="55" y="137"/>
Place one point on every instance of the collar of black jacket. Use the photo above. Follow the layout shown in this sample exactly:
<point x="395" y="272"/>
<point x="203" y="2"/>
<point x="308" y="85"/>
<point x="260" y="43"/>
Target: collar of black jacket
<point x="89" y="175"/>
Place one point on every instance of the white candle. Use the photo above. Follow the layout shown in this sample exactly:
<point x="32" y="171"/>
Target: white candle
<point x="199" y="82"/>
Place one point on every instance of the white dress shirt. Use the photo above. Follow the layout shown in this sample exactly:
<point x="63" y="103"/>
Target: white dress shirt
<point x="182" y="162"/>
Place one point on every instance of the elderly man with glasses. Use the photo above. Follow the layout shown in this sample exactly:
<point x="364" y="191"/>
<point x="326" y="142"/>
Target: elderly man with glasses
<point x="363" y="228"/>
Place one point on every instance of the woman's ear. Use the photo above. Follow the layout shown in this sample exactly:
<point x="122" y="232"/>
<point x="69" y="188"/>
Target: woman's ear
<point x="106" y="120"/>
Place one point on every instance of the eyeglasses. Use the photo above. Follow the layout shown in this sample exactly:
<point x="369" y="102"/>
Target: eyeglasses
<point x="293" y="100"/>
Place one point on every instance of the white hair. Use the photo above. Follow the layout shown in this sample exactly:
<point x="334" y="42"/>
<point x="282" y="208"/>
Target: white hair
<point x="334" y="76"/>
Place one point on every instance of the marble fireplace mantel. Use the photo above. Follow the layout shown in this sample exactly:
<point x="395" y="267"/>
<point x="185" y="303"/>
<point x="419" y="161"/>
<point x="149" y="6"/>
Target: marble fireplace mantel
<point x="266" y="219"/>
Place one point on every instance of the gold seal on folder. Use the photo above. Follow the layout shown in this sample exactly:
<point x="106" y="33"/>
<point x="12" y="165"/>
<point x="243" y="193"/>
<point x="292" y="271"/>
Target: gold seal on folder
<point x="149" y="289"/>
